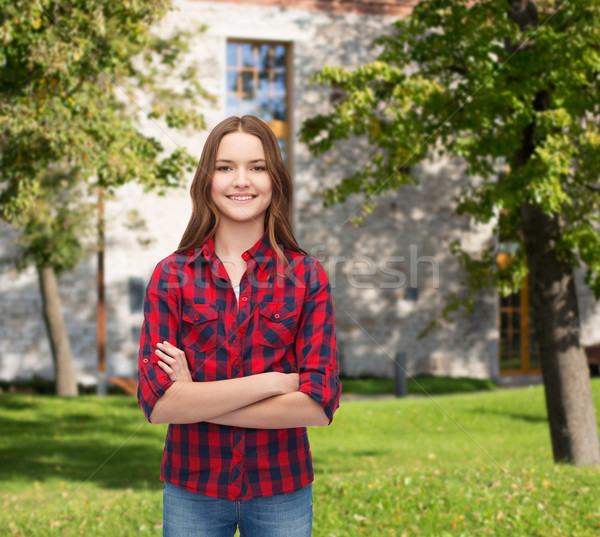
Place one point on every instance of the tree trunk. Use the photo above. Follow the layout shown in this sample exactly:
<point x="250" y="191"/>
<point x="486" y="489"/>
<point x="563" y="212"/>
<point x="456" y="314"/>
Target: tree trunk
<point x="569" y="402"/>
<point x="66" y="384"/>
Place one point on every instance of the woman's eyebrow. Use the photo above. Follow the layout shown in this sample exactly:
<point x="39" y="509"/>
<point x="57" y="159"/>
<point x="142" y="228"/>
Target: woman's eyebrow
<point x="249" y="162"/>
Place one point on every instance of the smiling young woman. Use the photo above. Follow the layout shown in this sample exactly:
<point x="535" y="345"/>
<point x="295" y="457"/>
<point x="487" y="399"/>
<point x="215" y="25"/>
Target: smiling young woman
<point x="238" y="351"/>
<point x="241" y="185"/>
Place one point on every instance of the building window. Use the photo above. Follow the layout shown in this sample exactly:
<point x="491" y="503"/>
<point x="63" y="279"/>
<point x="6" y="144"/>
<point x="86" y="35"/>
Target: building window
<point x="518" y="348"/>
<point x="258" y="85"/>
<point x="519" y="352"/>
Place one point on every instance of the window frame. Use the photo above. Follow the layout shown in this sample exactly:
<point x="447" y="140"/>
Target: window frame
<point x="525" y="333"/>
<point x="276" y="125"/>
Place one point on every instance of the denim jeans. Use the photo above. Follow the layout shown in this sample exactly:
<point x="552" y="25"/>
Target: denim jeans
<point x="188" y="514"/>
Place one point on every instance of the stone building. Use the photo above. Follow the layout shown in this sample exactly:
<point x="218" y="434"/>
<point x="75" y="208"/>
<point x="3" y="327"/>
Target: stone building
<point x="388" y="277"/>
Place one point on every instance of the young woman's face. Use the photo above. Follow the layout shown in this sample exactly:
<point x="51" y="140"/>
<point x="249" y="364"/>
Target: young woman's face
<point x="241" y="186"/>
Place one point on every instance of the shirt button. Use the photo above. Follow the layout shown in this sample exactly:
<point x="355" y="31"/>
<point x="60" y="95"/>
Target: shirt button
<point x="244" y="299"/>
<point x="196" y="318"/>
<point x="276" y="316"/>
<point x="236" y="362"/>
<point x="245" y="255"/>
<point x="242" y="330"/>
<point x="145" y="360"/>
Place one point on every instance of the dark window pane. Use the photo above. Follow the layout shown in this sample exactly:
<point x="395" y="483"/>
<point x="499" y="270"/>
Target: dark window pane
<point x="503" y="320"/>
<point x="232" y="81"/>
<point x="247" y="55"/>
<point x="264" y="83"/>
<point x="248" y="82"/>
<point x="263" y="102"/>
<point x="279" y="109"/>
<point x="516" y="345"/>
<point x="279" y="53"/>
<point x="534" y="361"/>
<point x="265" y="109"/>
<point x="533" y="339"/>
<point x="516" y="321"/>
<point x="263" y="57"/>
<point x="232" y="54"/>
<point x="279" y="84"/>
<point x="504" y="348"/>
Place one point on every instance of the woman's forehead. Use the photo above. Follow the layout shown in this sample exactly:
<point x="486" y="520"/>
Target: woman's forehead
<point x="240" y="146"/>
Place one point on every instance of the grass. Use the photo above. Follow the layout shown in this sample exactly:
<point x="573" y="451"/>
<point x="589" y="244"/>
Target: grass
<point x="458" y="465"/>
<point x="419" y="385"/>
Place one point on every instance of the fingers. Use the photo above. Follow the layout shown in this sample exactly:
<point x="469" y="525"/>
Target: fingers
<point x="173" y="361"/>
<point x="165" y="367"/>
<point x="170" y="350"/>
<point x="165" y="357"/>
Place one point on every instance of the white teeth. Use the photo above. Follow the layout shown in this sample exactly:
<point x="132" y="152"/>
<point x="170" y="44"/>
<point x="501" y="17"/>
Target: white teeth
<point x="240" y="198"/>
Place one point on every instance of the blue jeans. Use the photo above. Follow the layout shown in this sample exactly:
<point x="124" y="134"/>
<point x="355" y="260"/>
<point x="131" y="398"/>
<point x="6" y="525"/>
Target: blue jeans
<point x="188" y="514"/>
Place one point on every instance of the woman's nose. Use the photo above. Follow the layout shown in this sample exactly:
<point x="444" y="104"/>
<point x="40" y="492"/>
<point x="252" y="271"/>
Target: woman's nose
<point x="241" y="178"/>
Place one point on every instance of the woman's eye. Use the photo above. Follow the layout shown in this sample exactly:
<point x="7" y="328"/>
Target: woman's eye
<point x="258" y="169"/>
<point x="223" y="168"/>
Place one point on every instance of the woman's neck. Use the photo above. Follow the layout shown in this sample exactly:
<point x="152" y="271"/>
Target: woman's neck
<point x="232" y="239"/>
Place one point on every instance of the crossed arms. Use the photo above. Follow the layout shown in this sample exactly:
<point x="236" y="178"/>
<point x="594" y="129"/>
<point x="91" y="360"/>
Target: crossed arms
<point x="264" y="401"/>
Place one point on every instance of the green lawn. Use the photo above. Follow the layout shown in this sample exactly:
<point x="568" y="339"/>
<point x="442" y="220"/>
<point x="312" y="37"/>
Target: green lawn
<point x="455" y="465"/>
<point x="419" y="385"/>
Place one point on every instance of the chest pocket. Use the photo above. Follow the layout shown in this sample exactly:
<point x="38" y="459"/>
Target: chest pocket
<point x="199" y="326"/>
<point x="278" y="323"/>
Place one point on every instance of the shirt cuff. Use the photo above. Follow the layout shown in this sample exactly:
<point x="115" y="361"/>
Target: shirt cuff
<point x="148" y="392"/>
<point x="317" y="386"/>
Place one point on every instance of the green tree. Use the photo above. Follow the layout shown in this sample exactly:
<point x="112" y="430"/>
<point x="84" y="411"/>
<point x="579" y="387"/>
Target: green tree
<point x="482" y="81"/>
<point x="70" y="79"/>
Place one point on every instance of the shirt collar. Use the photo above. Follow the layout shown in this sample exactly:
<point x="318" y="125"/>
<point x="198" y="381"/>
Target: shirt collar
<point x="261" y="251"/>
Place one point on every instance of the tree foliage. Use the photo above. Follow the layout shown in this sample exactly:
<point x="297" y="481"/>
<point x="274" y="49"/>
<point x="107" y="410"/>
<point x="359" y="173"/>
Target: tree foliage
<point x="492" y="81"/>
<point x="72" y="77"/>
<point x="78" y="82"/>
<point x="464" y="79"/>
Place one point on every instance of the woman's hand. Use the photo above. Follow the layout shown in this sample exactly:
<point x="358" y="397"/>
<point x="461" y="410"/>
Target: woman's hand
<point x="173" y="362"/>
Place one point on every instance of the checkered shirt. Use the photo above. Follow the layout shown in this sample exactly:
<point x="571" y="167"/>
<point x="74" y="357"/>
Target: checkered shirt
<point x="279" y="323"/>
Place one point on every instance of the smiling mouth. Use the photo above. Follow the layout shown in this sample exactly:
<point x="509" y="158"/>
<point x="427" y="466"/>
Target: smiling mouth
<point x="242" y="198"/>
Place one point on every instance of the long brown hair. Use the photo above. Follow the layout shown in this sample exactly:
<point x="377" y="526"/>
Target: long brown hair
<point x="205" y="217"/>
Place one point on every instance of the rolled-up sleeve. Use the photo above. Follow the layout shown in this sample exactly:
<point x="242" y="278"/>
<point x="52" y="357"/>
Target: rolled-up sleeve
<point x="161" y="319"/>
<point x="316" y="346"/>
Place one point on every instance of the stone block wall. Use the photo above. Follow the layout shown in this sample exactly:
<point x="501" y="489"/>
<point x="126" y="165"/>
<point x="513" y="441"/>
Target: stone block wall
<point x="388" y="276"/>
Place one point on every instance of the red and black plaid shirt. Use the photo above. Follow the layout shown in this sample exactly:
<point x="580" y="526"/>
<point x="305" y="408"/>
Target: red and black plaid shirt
<point x="279" y="323"/>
